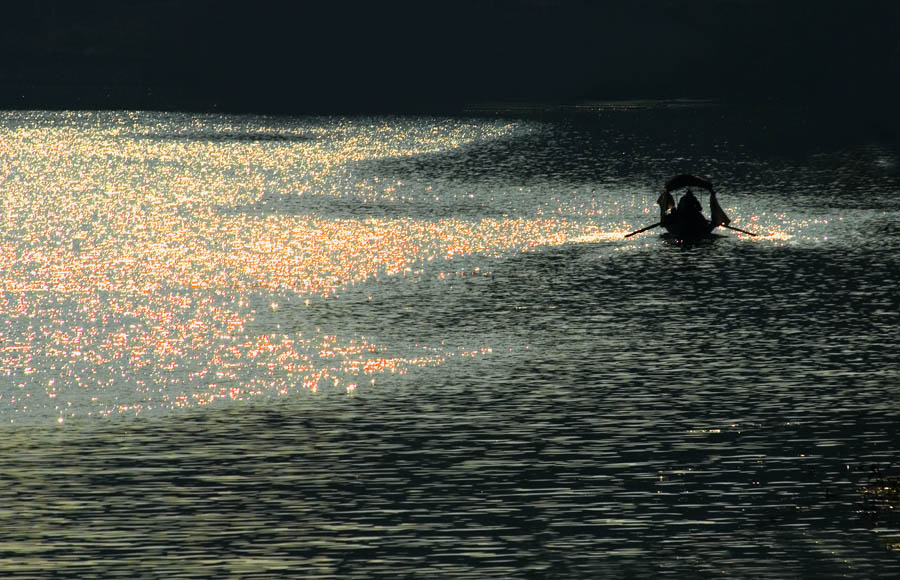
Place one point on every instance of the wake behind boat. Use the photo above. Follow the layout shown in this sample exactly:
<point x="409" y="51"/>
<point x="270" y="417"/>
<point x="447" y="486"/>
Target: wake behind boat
<point x="685" y="220"/>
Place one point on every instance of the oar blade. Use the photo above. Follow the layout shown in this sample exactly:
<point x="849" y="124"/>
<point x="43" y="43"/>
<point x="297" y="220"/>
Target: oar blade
<point x="656" y="225"/>
<point x="739" y="230"/>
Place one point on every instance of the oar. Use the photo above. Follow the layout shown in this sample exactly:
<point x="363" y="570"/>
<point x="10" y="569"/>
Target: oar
<point x="738" y="230"/>
<point x="657" y="224"/>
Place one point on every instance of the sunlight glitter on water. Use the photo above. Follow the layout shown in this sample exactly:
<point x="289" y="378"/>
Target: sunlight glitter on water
<point x="133" y="274"/>
<point x="502" y="384"/>
<point x="143" y="254"/>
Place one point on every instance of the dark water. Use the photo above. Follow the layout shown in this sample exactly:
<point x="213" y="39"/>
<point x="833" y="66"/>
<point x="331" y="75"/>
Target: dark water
<point x="608" y="408"/>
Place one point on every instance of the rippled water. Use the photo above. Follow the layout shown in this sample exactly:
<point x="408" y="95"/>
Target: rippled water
<point x="419" y="347"/>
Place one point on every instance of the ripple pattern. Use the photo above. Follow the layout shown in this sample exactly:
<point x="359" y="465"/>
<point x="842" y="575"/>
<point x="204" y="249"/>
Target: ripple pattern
<point x="416" y="347"/>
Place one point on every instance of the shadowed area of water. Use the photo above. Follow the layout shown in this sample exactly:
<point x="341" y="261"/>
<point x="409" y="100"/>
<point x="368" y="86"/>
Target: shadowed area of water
<point x="662" y="412"/>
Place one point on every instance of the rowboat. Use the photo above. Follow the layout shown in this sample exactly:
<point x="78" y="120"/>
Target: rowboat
<point x="685" y="221"/>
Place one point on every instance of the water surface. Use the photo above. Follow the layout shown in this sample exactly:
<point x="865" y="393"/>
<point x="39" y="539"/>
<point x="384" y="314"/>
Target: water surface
<point x="415" y="346"/>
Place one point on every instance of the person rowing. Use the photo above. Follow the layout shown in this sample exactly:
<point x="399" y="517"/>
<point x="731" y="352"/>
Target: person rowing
<point x="690" y="213"/>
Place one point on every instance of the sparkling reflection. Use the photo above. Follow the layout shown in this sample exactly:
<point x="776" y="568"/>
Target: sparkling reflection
<point x="374" y="348"/>
<point x="135" y="254"/>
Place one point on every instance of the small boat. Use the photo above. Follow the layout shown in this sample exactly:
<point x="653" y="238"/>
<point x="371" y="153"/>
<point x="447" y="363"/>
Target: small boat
<point x="685" y="220"/>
